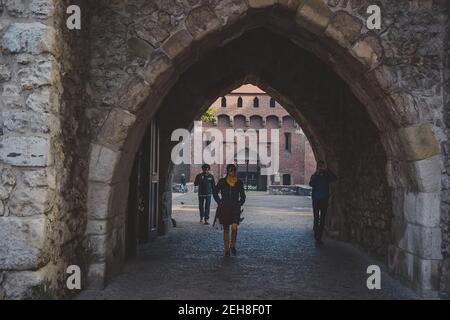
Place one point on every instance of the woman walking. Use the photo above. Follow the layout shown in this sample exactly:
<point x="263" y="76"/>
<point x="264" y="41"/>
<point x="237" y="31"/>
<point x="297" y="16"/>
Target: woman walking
<point x="230" y="196"/>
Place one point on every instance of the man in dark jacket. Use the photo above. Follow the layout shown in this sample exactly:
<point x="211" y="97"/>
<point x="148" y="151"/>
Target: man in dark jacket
<point x="205" y="183"/>
<point x="320" y="183"/>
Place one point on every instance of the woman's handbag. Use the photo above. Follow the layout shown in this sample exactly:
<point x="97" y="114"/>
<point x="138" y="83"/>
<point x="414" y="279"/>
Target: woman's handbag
<point x="224" y="213"/>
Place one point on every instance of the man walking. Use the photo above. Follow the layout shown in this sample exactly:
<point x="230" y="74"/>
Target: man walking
<point x="205" y="182"/>
<point x="320" y="183"/>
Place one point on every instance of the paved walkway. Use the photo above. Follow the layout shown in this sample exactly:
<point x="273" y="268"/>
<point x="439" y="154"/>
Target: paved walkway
<point x="277" y="259"/>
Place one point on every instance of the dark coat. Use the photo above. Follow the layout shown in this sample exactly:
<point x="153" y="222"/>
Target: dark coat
<point x="230" y="197"/>
<point x="205" y="183"/>
<point x="320" y="183"/>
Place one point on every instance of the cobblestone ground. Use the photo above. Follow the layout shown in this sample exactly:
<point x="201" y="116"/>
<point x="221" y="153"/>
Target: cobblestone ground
<point x="277" y="259"/>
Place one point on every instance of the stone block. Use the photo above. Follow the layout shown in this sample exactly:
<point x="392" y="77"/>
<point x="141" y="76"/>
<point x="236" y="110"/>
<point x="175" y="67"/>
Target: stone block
<point x="25" y="285"/>
<point x="384" y="75"/>
<point x="201" y="21"/>
<point x="422" y="208"/>
<point x="400" y="262"/>
<point x="427" y="174"/>
<point x="25" y="122"/>
<point x="39" y="101"/>
<point x="139" y="48"/>
<point x="35" y="38"/>
<point x="102" y="163"/>
<point x="42" y="9"/>
<point x="421" y="274"/>
<point x="26" y="202"/>
<point x="178" y="42"/>
<point x="404" y="108"/>
<point x="11" y="98"/>
<point x="7" y="182"/>
<point x="368" y="51"/>
<point x="344" y="29"/>
<point x="98" y="200"/>
<point x="22" y="242"/>
<point x="96" y="276"/>
<point x="419" y="142"/>
<point x="98" y="245"/>
<point x="134" y="95"/>
<point x="38" y="178"/>
<point x="115" y="129"/>
<point x="5" y="73"/>
<point x="426" y="276"/>
<point x="16" y="8"/>
<point x="37" y="75"/>
<point x="10" y="90"/>
<point x="396" y="174"/>
<point x="314" y="15"/>
<point x="230" y="11"/>
<point x="30" y="151"/>
<point x="25" y="58"/>
<point x="259" y="4"/>
<point x="97" y="227"/>
<point x="157" y="70"/>
<point x="424" y="242"/>
<point x="290" y="4"/>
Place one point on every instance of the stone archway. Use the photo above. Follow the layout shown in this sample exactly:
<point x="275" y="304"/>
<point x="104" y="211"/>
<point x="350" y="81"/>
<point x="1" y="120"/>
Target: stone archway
<point x="100" y="88"/>
<point x="404" y="134"/>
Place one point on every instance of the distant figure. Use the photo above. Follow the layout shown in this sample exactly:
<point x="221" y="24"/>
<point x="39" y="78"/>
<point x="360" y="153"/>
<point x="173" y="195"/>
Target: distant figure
<point x="205" y="182"/>
<point x="232" y="197"/>
<point x="320" y="183"/>
<point x="183" y="183"/>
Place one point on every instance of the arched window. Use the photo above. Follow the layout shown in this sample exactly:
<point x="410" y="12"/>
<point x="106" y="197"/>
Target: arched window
<point x="239" y="102"/>
<point x="224" y="102"/>
<point x="272" y="103"/>
<point x="256" y="103"/>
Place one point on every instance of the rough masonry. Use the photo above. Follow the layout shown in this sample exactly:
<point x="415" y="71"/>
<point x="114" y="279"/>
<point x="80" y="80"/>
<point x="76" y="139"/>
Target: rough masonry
<point x="75" y="105"/>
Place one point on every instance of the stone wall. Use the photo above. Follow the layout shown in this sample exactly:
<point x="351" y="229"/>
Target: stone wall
<point x="75" y="106"/>
<point x="71" y="150"/>
<point x="395" y="73"/>
<point x="445" y="205"/>
<point x="42" y="206"/>
<point x="362" y="207"/>
<point x="30" y="135"/>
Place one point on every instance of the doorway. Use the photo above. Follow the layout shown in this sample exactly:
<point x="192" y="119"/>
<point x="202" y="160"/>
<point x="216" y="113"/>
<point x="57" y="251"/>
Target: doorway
<point x="142" y="217"/>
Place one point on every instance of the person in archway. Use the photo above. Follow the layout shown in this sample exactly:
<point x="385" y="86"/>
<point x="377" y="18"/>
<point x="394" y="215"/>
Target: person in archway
<point x="183" y="183"/>
<point x="230" y="197"/>
<point x="205" y="183"/>
<point x="320" y="182"/>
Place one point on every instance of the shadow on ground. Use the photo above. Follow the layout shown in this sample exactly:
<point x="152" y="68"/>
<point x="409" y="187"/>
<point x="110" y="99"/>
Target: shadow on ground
<point x="277" y="259"/>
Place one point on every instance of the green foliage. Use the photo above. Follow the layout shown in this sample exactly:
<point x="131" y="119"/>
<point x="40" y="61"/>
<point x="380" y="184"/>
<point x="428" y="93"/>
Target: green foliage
<point x="208" y="116"/>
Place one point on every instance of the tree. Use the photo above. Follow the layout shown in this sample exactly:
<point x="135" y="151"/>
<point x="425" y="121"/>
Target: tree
<point x="208" y="116"/>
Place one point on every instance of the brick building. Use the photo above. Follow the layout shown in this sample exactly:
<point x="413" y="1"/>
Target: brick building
<point x="248" y="107"/>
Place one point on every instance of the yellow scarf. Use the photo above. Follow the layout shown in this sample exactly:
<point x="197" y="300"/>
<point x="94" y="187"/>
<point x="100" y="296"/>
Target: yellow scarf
<point x="231" y="181"/>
